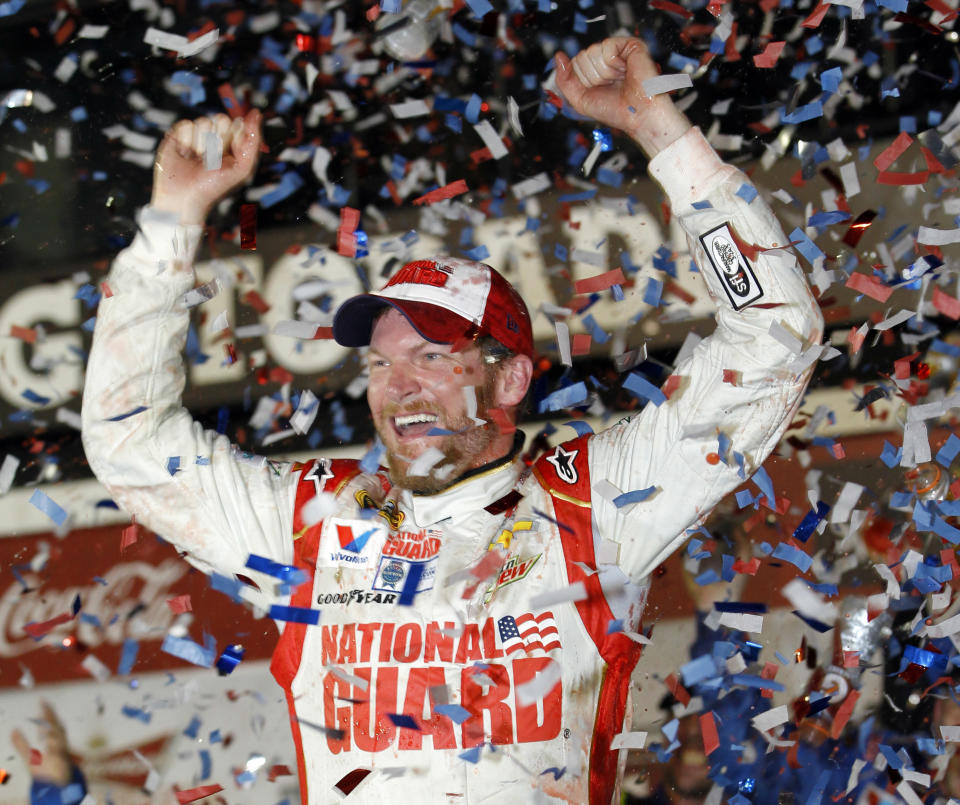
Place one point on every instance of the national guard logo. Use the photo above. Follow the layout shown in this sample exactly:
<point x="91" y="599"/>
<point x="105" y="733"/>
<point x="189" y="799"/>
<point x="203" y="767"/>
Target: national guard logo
<point x="562" y="461"/>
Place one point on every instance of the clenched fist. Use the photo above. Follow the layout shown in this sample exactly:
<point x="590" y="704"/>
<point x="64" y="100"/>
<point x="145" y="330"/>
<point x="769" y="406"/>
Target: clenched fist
<point x="200" y="161"/>
<point x="605" y="82"/>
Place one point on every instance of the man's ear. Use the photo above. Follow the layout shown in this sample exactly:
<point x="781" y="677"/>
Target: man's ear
<point x="512" y="381"/>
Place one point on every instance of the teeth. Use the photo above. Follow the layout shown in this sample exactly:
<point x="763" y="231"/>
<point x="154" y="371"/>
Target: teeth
<point x="414" y="419"/>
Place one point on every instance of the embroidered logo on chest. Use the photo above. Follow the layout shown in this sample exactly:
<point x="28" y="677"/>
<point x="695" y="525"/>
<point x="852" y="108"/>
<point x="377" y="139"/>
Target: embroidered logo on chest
<point x="350" y="543"/>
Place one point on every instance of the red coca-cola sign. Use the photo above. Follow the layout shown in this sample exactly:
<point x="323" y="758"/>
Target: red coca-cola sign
<point x="89" y="597"/>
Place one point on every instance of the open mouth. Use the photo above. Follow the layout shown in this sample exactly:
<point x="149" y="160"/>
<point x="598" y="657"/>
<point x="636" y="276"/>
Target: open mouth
<point x="415" y="425"/>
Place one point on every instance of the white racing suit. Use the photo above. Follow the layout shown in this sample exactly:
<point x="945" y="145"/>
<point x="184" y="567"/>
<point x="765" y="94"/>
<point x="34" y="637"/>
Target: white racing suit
<point x="474" y="645"/>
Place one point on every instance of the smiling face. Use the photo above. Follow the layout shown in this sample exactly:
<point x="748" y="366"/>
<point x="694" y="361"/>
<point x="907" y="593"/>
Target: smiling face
<point x="417" y="386"/>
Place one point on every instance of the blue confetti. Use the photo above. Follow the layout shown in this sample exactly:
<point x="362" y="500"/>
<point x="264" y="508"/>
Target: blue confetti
<point x="454" y="712"/>
<point x="137" y="713"/>
<point x="640" y="387"/>
<point x="765" y="484"/>
<point x="128" y="657"/>
<point x="404" y="721"/>
<point x="947" y="453"/>
<point x="173" y="464"/>
<point x="810" y="251"/>
<point x="636" y="496"/>
<point x="567" y="397"/>
<point x="40" y="500"/>
<point x="747" y="192"/>
<point x="793" y="555"/>
<point x="891" y="455"/>
<point x="410" y="584"/>
<point x="803" y="113"/>
<point x="582" y="428"/>
<point x="812" y="519"/>
<point x="295" y="614"/>
<point x="186" y="649"/>
<point x="120" y="417"/>
<point x="471" y="755"/>
<point x="37" y="399"/>
<point x="286" y="573"/>
<point x="229" y="659"/>
<point x="11" y="7"/>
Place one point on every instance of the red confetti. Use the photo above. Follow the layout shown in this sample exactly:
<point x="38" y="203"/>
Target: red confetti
<point x="600" y="282"/>
<point x="770" y="54"/>
<point x="870" y="286"/>
<point x="679" y="692"/>
<point x="671" y="385"/>
<point x="946" y="304"/>
<point x="105" y="290"/>
<point x="892" y="152"/>
<point x="749" y="568"/>
<point x="23" y="333"/>
<point x="673" y="288"/>
<point x="257" y="302"/>
<point x="248" y="226"/>
<point x="858" y="227"/>
<point x="673" y="8"/>
<point x="708" y="729"/>
<point x="40" y="629"/>
<point x="580" y="344"/>
<point x="769" y="672"/>
<point x="851" y="659"/>
<point x="180" y="604"/>
<point x="843" y="714"/>
<point x="193" y="794"/>
<point x="816" y="16"/>
<point x="499" y="417"/>
<point x="280" y="770"/>
<point x="129" y="537"/>
<point x="230" y="102"/>
<point x="346" y="232"/>
<point x="351" y="780"/>
<point x="441" y="193"/>
<point x="731" y="376"/>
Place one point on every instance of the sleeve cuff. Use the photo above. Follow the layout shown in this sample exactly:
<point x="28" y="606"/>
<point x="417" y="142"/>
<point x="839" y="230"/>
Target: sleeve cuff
<point x="687" y="169"/>
<point x="160" y="237"/>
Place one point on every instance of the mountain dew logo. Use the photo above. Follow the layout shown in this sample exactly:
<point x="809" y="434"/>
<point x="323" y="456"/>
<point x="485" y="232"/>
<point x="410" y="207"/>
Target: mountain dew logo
<point x="515" y="569"/>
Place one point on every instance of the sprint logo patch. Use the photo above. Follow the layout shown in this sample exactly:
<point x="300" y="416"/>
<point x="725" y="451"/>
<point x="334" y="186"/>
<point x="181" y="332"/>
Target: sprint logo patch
<point x="731" y="267"/>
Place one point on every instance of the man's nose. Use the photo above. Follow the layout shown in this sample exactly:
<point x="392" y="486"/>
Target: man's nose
<point x="403" y="381"/>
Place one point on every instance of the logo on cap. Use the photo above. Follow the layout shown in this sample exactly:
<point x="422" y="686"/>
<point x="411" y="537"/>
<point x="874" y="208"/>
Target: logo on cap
<point x="421" y="272"/>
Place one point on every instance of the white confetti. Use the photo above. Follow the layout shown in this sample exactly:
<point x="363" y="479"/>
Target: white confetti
<point x="490" y="139"/>
<point x="629" y="740"/>
<point x="666" y="83"/>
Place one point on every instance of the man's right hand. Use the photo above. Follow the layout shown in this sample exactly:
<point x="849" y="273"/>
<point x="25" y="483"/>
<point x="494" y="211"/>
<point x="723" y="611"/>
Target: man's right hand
<point x="52" y="764"/>
<point x="182" y="182"/>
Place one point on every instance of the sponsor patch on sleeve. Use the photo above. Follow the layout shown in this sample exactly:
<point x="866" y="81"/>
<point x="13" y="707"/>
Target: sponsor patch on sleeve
<point x="731" y="267"/>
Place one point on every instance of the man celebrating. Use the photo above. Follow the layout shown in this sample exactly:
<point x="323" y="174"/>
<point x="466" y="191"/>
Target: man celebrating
<point x="468" y="626"/>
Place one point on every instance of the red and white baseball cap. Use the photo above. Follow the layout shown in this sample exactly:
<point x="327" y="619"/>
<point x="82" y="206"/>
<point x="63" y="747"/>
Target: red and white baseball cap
<point x="445" y="299"/>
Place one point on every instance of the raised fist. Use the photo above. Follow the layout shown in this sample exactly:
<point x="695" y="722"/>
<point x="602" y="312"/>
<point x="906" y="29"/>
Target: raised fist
<point x="200" y="161"/>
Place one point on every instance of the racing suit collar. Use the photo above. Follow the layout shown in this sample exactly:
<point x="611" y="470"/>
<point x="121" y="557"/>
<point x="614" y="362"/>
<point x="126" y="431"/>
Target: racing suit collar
<point x="471" y="492"/>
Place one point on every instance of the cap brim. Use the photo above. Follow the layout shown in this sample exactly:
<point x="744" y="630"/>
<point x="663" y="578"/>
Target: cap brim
<point x="353" y="321"/>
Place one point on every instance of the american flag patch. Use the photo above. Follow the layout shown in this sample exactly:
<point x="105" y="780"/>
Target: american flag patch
<point x="529" y="633"/>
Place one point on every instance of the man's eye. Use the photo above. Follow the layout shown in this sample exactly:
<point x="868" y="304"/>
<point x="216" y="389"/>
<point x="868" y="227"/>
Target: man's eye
<point x="378" y="364"/>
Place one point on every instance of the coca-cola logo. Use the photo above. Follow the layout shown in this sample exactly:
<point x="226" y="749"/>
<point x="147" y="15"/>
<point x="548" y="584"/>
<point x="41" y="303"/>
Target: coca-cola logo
<point x="131" y="587"/>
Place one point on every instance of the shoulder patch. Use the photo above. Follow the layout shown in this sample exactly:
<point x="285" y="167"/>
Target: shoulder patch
<point x="564" y="469"/>
<point x="731" y="267"/>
